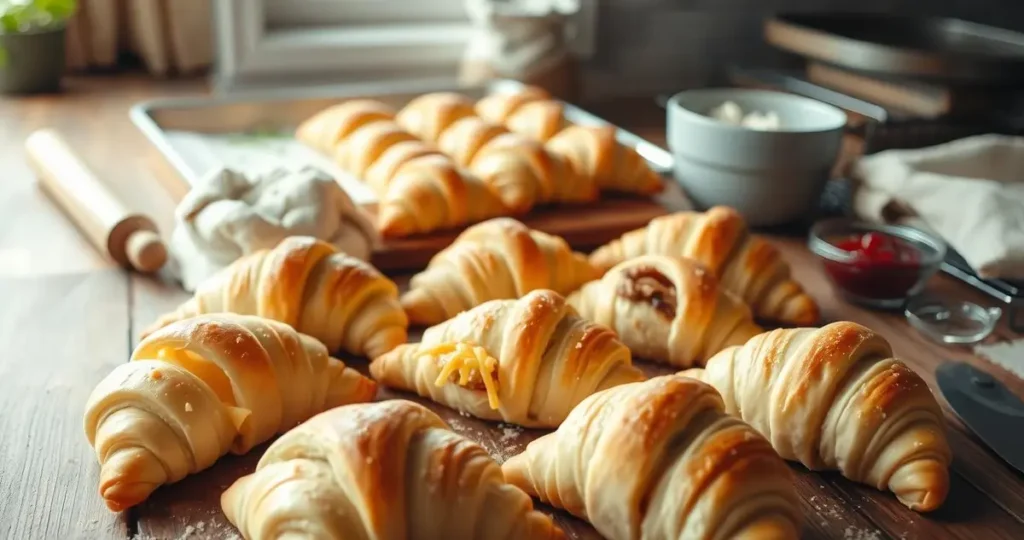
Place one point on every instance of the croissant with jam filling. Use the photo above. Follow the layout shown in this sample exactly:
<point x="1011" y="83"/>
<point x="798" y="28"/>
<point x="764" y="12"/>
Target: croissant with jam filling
<point x="745" y="264"/>
<point x="666" y="309"/>
<point x="526" y="361"/>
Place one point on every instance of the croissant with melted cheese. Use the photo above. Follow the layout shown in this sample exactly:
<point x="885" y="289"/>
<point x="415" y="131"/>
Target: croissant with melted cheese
<point x="660" y="460"/>
<point x="498" y="259"/>
<point x="526" y="361"/>
<point x="745" y="264"/>
<point x="386" y="470"/>
<point x="834" y="398"/>
<point x="666" y="309"/>
<point x="310" y="285"/>
<point x="324" y="130"/>
<point x="203" y="387"/>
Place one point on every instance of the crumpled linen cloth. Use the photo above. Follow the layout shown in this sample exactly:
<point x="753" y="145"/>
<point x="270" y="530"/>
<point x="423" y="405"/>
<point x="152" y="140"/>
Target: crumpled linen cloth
<point x="517" y="39"/>
<point x="228" y="215"/>
<point x="970" y="192"/>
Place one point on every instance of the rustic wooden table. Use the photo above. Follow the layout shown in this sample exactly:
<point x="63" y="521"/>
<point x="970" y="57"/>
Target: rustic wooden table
<point x="67" y="317"/>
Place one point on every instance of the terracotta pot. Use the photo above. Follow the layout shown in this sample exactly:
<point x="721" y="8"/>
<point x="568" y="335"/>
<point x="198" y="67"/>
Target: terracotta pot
<point x="33" y="61"/>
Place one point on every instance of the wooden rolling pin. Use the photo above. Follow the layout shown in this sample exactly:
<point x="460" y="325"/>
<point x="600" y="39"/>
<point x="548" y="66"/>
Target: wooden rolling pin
<point x="129" y="238"/>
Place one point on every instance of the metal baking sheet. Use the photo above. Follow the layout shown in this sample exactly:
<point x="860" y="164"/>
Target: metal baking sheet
<point x="254" y="133"/>
<point x="942" y="49"/>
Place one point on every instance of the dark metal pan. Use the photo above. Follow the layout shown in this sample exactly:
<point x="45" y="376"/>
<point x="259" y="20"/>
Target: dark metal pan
<point x="948" y="50"/>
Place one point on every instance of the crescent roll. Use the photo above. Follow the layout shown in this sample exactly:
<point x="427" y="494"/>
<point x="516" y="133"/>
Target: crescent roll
<point x="392" y="161"/>
<point x="325" y="129"/>
<point x="390" y="470"/>
<point x="203" y="387"/>
<point x="310" y="285"/>
<point x="498" y="259"/>
<point x="538" y="120"/>
<point x="358" y="153"/>
<point x="497" y="107"/>
<point x="526" y="361"/>
<point x="432" y="194"/>
<point x="746" y="264"/>
<point x="834" y="398"/>
<point x="429" y="115"/>
<point x="666" y="309"/>
<point x="594" y="152"/>
<point x="468" y="136"/>
<point x="524" y="174"/>
<point x="660" y="460"/>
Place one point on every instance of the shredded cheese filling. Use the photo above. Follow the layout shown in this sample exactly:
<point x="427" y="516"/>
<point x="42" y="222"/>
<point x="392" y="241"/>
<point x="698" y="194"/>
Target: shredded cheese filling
<point x="468" y="361"/>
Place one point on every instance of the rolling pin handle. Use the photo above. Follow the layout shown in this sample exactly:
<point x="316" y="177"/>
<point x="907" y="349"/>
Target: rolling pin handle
<point x="129" y="238"/>
<point x="145" y="251"/>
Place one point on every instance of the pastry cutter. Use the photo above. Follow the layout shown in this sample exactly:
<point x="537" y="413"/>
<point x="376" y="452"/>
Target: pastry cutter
<point x="987" y="407"/>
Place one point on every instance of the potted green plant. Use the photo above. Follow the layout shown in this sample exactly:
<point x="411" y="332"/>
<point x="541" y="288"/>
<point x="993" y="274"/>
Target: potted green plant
<point x="32" y="44"/>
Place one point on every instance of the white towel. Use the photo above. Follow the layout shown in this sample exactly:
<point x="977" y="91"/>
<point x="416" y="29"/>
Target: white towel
<point x="229" y="215"/>
<point x="970" y="192"/>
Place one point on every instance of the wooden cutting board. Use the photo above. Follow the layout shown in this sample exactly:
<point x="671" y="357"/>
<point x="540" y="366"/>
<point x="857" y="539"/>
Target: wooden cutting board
<point x="584" y="227"/>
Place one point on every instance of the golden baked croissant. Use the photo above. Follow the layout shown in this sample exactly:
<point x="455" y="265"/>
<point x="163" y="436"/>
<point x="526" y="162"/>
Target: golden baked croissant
<point x="324" y="130"/>
<point x="498" y="259"/>
<point x="538" y="120"/>
<point x="466" y="137"/>
<point x="595" y="152"/>
<point x="523" y="173"/>
<point x="666" y="309"/>
<point x="432" y="194"/>
<point x="390" y="162"/>
<point x="520" y="170"/>
<point x="360" y="150"/>
<point x="202" y="387"/>
<point x="390" y="470"/>
<point x="660" y="460"/>
<point x="307" y="283"/>
<point x="835" y="398"/>
<point x="429" y="115"/>
<point x="497" y="107"/>
<point x="526" y="361"/>
<point x="745" y="264"/>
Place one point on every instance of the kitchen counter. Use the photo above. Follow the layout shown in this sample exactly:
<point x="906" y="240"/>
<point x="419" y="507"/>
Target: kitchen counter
<point x="68" y="316"/>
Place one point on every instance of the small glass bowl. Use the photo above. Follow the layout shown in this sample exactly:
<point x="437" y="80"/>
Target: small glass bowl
<point x="952" y="321"/>
<point x="884" y="285"/>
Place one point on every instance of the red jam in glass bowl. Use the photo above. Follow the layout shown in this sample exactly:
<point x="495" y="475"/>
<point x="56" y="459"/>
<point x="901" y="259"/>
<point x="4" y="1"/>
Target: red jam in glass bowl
<point x="878" y="265"/>
<point x="881" y="266"/>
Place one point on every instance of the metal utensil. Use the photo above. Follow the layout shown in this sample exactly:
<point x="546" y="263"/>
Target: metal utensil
<point x="987" y="407"/>
<point x="950" y="50"/>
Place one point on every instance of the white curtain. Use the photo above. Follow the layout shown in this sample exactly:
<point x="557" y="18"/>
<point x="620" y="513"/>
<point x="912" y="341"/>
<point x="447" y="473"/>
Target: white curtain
<point x="172" y="37"/>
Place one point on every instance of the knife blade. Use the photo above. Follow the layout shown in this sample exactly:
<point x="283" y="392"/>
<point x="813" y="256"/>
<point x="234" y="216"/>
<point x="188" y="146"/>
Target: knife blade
<point x="987" y="407"/>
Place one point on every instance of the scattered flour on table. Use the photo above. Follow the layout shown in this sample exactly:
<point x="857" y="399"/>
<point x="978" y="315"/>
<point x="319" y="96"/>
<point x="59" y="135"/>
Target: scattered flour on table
<point x="825" y="508"/>
<point x="1007" y="354"/>
<point x="500" y="447"/>
<point x="853" y="533"/>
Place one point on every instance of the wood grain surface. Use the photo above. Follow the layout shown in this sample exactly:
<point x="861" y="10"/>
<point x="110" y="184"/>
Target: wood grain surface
<point x="67" y="317"/>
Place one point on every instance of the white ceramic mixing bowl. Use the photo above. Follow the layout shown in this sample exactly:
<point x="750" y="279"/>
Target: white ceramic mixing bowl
<point x="770" y="177"/>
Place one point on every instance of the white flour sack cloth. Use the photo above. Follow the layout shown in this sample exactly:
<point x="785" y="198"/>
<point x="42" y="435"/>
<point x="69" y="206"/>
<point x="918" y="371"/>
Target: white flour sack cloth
<point x="970" y="192"/>
<point x="229" y="215"/>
